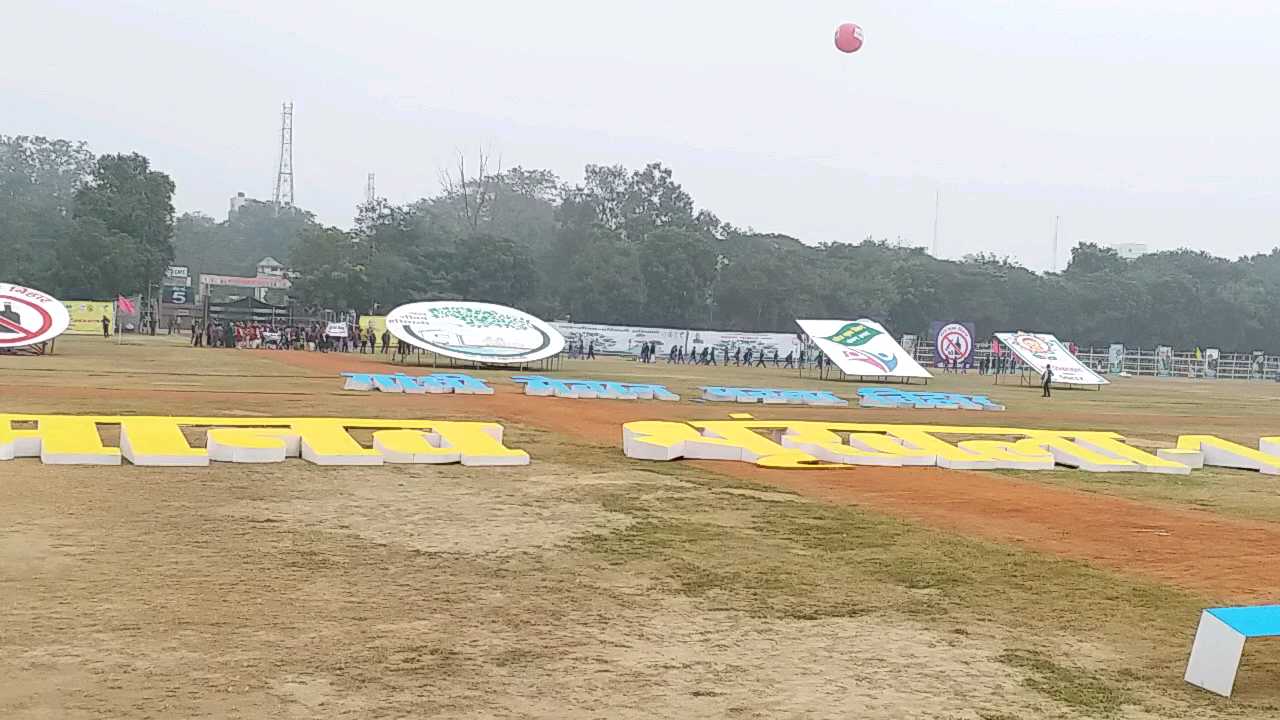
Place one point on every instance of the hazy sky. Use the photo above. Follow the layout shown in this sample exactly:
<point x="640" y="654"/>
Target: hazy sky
<point x="1144" y="120"/>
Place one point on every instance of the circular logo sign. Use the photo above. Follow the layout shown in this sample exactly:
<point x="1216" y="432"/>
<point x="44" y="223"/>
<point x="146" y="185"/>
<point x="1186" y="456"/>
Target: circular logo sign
<point x="29" y="317"/>
<point x="954" y="343"/>
<point x="474" y="331"/>
<point x="1032" y="344"/>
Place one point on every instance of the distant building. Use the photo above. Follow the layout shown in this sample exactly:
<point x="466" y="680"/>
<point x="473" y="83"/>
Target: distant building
<point x="1130" y="250"/>
<point x="237" y="202"/>
<point x="270" y="267"/>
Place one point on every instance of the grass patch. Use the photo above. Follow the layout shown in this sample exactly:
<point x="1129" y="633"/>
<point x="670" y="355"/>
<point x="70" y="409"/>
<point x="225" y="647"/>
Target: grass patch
<point x="1226" y="491"/>
<point x="1076" y="687"/>
<point x="810" y="560"/>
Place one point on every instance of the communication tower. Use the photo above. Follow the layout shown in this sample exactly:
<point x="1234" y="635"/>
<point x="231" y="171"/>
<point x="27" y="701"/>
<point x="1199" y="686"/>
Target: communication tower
<point x="284" y="175"/>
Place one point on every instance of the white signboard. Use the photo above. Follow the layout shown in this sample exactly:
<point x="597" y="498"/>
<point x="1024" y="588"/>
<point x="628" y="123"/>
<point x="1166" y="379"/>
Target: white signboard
<point x="253" y="282"/>
<point x="627" y="339"/>
<point x="727" y="342"/>
<point x="620" y="339"/>
<point x="862" y="347"/>
<point x="1041" y="350"/>
<point x="177" y="275"/>
<point x="474" y="331"/>
<point x="336" y="329"/>
<point x="29" y="317"/>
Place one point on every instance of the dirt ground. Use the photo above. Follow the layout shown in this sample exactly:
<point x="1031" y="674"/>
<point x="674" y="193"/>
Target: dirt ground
<point x="1223" y="556"/>
<point x="589" y="585"/>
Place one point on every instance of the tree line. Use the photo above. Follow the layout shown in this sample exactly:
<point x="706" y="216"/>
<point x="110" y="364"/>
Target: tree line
<point x="78" y="225"/>
<point x="623" y="246"/>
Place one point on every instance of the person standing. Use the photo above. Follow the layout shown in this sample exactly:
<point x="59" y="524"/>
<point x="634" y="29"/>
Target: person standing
<point x="591" y="351"/>
<point x="106" y="326"/>
<point x="1048" y="379"/>
<point x="737" y="356"/>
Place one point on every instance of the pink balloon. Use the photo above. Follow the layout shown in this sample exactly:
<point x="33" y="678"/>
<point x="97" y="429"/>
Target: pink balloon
<point x="848" y="38"/>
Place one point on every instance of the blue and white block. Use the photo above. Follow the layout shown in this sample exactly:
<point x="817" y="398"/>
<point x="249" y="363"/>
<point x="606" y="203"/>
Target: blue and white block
<point x="1219" y="643"/>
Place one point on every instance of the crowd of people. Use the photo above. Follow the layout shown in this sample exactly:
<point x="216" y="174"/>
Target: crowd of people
<point x="740" y="356"/>
<point x="317" y="336"/>
<point x="986" y="365"/>
<point x="310" y="336"/>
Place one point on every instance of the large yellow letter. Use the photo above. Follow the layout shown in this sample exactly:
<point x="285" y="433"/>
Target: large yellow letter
<point x="1112" y="444"/>
<point x="816" y="439"/>
<point x="57" y="439"/>
<point x="1224" y="453"/>
<point x="253" y="445"/>
<point x="158" y="441"/>
<point x="471" y="443"/>
<point x="719" y="440"/>
<point x="325" y="441"/>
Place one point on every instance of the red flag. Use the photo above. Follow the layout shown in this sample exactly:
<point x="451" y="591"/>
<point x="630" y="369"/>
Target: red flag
<point x="125" y="305"/>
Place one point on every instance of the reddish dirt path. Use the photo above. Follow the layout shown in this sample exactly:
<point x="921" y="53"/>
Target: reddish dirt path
<point x="1197" y="550"/>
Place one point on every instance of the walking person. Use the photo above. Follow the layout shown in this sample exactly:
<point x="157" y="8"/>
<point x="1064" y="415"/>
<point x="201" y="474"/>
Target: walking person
<point x="760" y="359"/>
<point x="591" y="351"/>
<point x="1048" y="379"/>
<point x="791" y="359"/>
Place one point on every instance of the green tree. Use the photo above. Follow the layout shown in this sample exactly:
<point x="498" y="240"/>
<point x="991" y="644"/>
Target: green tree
<point x="330" y="269"/>
<point x="129" y="198"/>
<point x="38" y="180"/>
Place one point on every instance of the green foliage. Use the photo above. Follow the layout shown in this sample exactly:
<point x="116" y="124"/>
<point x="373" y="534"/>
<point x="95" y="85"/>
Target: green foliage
<point x="236" y="245"/>
<point x="631" y="247"/>
<point x="624" y="246"/>
<point x="81" y="227"/>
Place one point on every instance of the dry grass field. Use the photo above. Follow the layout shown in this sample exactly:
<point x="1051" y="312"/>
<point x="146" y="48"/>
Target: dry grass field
<point x="588" y="585"/>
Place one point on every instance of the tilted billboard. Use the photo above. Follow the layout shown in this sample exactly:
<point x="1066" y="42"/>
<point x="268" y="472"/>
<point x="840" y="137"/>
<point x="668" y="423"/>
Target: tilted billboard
<point x="863" y="348"/>
<point x="474" y="331"/>
<point x="29" y="317"/>
<point x="1042" y="350"/>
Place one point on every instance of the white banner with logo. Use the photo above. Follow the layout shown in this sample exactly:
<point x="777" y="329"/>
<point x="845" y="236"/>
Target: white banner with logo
<point x="1211" y="362"/>
<point x="627" y="339"/>
<point x="1164" y="361"/>
<point x="1115" y="359"/>
<point x="336" y="329"/>
<point x="862" y="348"/>
<point x="1042" y="350"/>
<point x="475" y="331"/>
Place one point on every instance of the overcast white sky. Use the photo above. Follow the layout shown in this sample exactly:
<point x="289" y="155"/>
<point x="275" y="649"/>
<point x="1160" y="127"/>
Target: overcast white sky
<point x="1145" y="120"/>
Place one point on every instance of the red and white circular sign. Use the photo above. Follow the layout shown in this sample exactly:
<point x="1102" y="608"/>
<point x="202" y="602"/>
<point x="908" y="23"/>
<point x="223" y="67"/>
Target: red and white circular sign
<point x="954" y="343"/>
<point x="29" y="317"/>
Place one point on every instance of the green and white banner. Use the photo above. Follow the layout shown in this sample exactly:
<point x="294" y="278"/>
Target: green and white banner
<point x="862" y="348"/>
<point x="479" y="332"/>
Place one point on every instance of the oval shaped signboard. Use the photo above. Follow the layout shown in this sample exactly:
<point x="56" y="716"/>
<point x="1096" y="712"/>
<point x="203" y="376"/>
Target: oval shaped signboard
<point x="29" y="317"/>
<point x="475" y="331"/>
